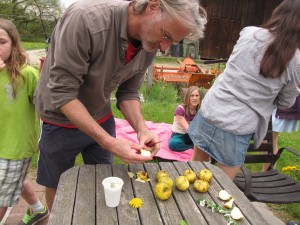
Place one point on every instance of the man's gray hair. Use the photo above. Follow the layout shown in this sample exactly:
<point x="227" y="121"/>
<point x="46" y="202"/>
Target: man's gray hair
<point x="187" y="12"/>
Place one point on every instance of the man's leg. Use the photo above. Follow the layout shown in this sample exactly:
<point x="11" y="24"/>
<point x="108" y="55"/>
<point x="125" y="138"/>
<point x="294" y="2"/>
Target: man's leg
<point x="49" y="195"/>
<point x="58" y="149"/>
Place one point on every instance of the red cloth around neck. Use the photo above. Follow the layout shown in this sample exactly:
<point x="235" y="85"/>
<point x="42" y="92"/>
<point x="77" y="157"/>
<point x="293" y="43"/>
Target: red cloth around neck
<point x="131" y="51"/>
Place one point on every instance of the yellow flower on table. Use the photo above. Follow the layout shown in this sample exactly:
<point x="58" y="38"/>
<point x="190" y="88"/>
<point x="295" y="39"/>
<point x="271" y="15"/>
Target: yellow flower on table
<point x="136" y="203"/>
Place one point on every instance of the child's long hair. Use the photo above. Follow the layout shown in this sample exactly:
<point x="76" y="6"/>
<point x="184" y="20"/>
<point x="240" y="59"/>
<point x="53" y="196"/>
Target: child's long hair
<point x="18" y="56"/>
<point x="284" y="25"/>
<point x="186" y="99"/>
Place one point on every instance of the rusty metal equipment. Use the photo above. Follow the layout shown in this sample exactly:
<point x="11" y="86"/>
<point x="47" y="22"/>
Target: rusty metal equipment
<point x="188" y="73"/>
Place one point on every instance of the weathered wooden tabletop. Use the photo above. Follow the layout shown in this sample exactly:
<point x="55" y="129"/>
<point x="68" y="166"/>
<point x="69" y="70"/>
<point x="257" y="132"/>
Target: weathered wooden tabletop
<point x="80" y="198"/>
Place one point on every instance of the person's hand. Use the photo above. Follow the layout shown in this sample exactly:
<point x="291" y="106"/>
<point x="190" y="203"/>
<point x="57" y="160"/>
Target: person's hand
<point x="126" y="150"/>
<point x="2" y="64"/>
<point x="150" y="141"/>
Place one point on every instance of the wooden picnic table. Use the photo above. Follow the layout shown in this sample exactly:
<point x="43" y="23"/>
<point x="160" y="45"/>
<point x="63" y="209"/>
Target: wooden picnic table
<point x="80" y="197"/>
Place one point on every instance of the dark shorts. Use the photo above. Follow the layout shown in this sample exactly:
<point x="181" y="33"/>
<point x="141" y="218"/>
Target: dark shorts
<point x="59" y="147"/>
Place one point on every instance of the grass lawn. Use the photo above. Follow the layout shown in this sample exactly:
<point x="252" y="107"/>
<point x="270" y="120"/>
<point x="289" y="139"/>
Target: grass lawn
<point x="33" y="45"/>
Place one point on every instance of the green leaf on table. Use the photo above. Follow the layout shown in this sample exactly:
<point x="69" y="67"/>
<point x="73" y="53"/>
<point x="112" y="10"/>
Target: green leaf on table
<point x="217" y="208"/>
<point x="182" y="222"/>
<point x="131" y="175"/>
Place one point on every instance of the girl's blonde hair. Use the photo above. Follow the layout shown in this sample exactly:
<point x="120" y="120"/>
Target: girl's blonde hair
<point x="18" y="56"/>
<point x="186" y="99"/>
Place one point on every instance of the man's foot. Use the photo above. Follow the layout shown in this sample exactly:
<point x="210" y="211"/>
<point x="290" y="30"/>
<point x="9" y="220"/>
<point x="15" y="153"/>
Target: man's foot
<point x="30" y="219"/>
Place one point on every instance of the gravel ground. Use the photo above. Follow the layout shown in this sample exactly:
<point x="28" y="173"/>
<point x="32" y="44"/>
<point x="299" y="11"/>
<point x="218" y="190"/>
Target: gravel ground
<point x="35" y="56"/>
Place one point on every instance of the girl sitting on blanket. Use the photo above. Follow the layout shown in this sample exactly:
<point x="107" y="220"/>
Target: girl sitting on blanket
<point x="183" y="115"/>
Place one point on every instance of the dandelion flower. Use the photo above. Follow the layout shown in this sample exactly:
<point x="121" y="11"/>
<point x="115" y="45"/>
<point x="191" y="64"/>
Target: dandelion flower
<point x="293" y="168"/>
<point x="136" y="203"/>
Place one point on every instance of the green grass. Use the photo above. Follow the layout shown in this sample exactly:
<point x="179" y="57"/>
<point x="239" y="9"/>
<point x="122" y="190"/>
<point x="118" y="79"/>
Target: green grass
<point x="33" y="45"/>
<point x="287" y="159"/>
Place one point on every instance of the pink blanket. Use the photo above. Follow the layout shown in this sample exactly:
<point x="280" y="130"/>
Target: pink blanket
<point x="163" y="130"/>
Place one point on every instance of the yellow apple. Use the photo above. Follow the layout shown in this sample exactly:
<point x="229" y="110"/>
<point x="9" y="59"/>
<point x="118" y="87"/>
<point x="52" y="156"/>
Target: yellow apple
<point x="142" y="175"/>
<point x="162" y="191"/>
<point x="161" y="173"/>
<point x="167" y="180"/>
<point x="205" y="174"/>
<point x="201" y="186"/>
<point x="182" y="183"/>
<point x="190" y="175"/>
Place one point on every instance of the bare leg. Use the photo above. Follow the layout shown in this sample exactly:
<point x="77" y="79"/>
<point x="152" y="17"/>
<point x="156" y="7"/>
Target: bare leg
<point x="2" y="212"/>
<point x="275" y="148"/>
<point x="49" y="195"/>
<point x="275" y="141"/>
<point x="199" y="155"/>
<point x="28" y="193"/>
<point x="229" y="171"/>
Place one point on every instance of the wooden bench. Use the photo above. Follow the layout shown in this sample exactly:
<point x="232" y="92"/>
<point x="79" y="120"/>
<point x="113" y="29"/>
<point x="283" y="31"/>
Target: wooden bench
<point x="270" y="186"/>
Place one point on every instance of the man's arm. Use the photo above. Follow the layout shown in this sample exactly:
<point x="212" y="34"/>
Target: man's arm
<point x="131" y="109"/>
<point x="76" y="112"/>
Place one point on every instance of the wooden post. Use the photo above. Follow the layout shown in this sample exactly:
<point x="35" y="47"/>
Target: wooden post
<point x="150" y="77"/>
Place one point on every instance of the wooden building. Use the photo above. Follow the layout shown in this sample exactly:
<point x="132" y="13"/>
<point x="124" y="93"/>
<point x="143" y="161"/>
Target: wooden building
<point x="226" y="18"/>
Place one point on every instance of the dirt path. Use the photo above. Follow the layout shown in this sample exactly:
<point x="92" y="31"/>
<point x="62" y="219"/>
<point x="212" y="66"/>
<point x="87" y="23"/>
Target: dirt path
<point x="35" y="56"/>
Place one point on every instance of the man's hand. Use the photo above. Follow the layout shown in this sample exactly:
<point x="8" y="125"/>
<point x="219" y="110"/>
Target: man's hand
<point x="150" y="141"/>
<point x="2" y="64"/>
<point x="131" y="109"/>
<point x="126" y="150"/>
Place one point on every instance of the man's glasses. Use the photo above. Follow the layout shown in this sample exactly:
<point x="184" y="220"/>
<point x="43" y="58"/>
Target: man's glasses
<point x="165" y="37"/>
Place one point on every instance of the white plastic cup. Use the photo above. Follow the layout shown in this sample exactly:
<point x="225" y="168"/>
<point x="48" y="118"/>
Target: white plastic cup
<point x="112" y="190"/>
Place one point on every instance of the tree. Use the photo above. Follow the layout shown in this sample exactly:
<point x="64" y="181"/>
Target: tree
<point x="35" y="19"/>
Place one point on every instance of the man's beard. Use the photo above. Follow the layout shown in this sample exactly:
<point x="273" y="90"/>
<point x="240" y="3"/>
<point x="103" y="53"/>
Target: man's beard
<point x="150" y="46"/>
<point x="148" y="43"/>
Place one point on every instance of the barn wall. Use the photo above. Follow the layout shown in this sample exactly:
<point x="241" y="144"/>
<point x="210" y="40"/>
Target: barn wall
<point x="226" y="18"/>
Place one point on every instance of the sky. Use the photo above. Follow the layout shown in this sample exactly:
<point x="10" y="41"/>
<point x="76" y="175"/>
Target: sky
<point x="67" y="3"/>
